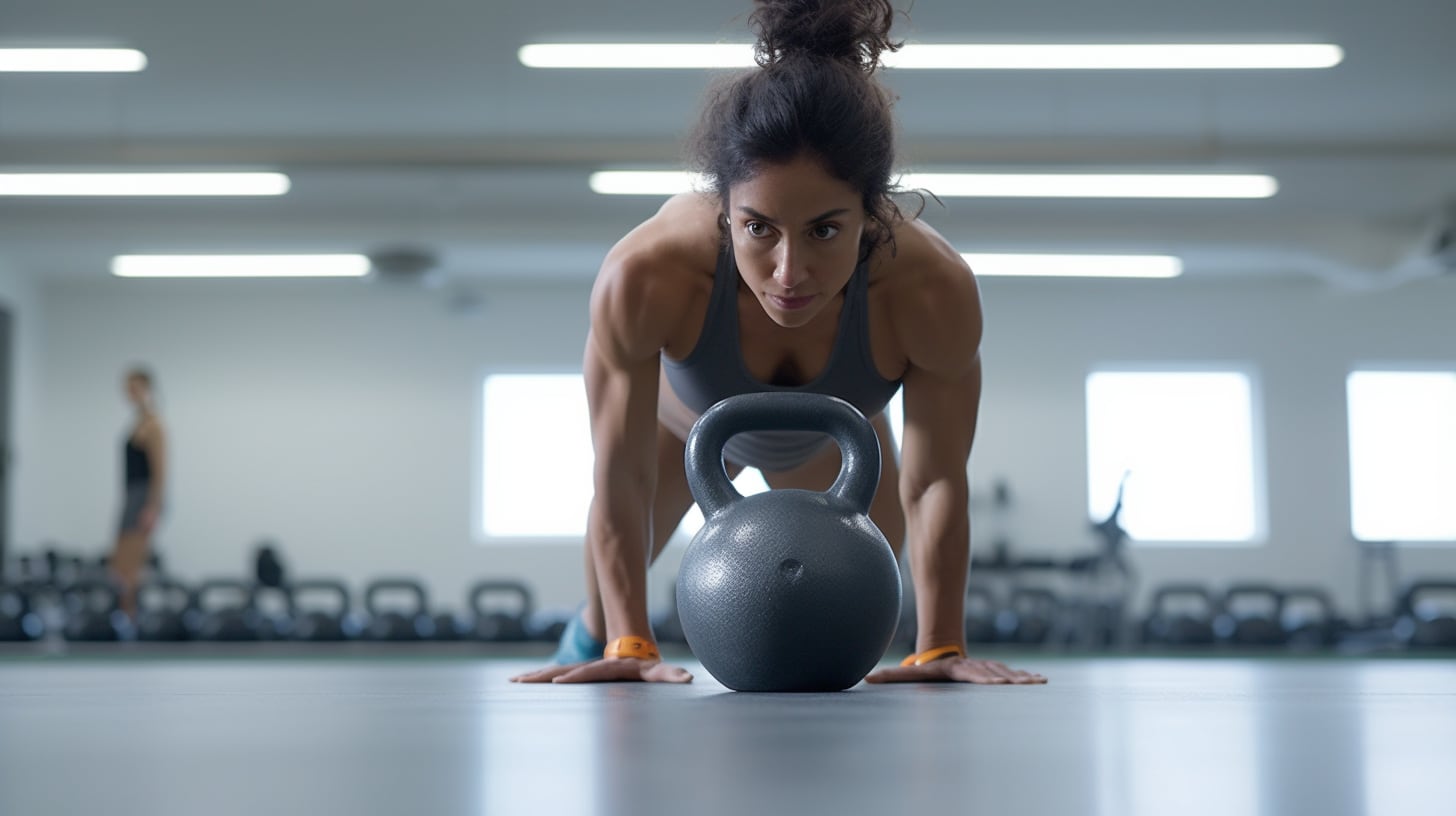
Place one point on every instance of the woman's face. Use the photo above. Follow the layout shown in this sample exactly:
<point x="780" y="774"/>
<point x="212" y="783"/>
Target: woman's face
<point x="796" y="237"/>
<point x="136" y="391"/>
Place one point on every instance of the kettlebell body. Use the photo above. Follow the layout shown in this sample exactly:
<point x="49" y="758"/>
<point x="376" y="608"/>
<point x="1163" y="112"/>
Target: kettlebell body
<point x="788" y="590"/>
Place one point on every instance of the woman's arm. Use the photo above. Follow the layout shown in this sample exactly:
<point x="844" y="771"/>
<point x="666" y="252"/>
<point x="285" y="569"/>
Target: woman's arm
<point x="154" y="443"/>
<point x="621" y="368"/>
<point x="939" y="325"/>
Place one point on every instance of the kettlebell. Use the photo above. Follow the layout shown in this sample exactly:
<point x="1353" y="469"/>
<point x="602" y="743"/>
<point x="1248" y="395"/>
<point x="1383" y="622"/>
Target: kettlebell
<point x="162" y="607"/>
<point x="398" y="623"/>
<point x="223" y="609"/>
<point x="787" y="590"/>
<point x="314" y="621"/>
<point x="494" y="622"/>
<point x="91" y="613"/>
<point x="18" y="620"/>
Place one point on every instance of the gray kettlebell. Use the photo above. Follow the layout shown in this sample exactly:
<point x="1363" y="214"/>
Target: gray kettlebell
<point x="787" y="590"/>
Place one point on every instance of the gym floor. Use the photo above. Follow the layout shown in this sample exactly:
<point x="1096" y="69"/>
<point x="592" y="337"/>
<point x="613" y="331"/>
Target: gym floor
<point x="253" y="731"/>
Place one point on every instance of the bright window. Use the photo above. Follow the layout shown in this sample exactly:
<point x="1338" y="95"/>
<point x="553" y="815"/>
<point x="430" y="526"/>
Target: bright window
<point x="536" y="454"/>
<point x="1402" y="455"/>
<point x="536" y="432"/>
<point x="1186" y="442"/>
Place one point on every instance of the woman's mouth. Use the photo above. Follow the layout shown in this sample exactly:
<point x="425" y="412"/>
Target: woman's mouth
<point x="790" y="304"/>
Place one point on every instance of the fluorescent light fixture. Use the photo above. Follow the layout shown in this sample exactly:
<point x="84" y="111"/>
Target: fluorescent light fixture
<point x="645" y="182"/>
<point x="1092" y="185"/>
<point x="71" y="60"/>
<point x="989" y="185"/>
<point x="143" y="184"/>
<point x="1160" y="57"/>
<point x="636" y="55"/>
<point x="1075" y="266"/>
<point x="956" y="56"/>
<point x="240" y="266"/>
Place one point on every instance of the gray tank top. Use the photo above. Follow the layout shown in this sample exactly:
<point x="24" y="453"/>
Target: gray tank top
<point x="714" y="370"/>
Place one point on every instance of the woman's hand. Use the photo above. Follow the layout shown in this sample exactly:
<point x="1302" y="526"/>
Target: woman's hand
<point x="616" y="670"/>
<point x="957" y="670"/>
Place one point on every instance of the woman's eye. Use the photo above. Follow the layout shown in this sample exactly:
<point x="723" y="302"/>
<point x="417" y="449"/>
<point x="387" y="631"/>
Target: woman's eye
<point x="825" y="231"/>
<point x="756" y="228"/>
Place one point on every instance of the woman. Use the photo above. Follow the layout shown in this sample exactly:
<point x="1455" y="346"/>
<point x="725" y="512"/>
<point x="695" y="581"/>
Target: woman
<point x="144" y="462"/>
<point x="796" y="271"/>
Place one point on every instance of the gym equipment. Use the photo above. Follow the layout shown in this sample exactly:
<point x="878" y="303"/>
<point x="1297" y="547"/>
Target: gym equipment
<point x="276" y="611"/>
<point x="319" y="624"/>
<point x="497" y="624"/>
<point x="91" y="612"/>
<point x="548" y="625"/>
<point x="450" y="626"/>
<point x="18" y="621"/>
<point x="1424" y="625"/>
<point x="1181" y="615"/>
<point x="1251" y="616"/>
<point x="267" y="566"/>
<point x="217" y="620"/>
<point x="162" y="611"/>
<point x="981" y="609"/>
<point x="395" y="624"/>
<point x="1030" y="616"/>
<point x="1379" y="575"/>
<point x="1309" y="618"/>
<point x="787" y="590"/>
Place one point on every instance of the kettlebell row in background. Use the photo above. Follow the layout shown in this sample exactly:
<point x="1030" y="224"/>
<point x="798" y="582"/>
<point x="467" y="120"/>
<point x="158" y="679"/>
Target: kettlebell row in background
<point x="231" y="610"/>
<point x="1190" y="616"/>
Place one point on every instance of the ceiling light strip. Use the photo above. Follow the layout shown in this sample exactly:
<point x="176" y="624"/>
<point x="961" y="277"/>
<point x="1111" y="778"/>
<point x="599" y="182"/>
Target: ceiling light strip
<point x="240" y="266"/>
<point x="143" y="184"/>
<point x="71" y="60"/>
<point x="1074" y="266"/>
<point x="990" y="185"/>
<point x="957" y="56"/>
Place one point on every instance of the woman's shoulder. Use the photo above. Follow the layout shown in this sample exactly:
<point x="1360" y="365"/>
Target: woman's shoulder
<point x="148" y="428"/>
<point x="931" y="292"/>
<point x="683" y="233"/>
<point x="651" y="276"/>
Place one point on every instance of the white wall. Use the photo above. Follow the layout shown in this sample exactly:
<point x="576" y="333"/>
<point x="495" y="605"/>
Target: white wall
<point x="18" y="295"/>
<point x="341" y="418"/>
<point x="1300" y="338"/>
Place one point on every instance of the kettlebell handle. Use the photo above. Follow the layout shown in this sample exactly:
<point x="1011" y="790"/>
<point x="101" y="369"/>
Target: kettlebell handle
<point x="859" y="471"/>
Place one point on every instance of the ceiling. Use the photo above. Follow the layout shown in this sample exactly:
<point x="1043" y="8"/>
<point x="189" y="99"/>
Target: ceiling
<point x="414" y="124"/>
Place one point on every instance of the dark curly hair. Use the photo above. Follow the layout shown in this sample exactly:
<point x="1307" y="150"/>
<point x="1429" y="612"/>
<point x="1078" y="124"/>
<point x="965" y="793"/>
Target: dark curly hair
<point x="815" y="95"/>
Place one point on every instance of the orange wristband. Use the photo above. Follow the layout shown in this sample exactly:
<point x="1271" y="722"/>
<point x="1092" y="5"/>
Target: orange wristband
<point x="638" y="647"/>
<point x="931" y="655"/>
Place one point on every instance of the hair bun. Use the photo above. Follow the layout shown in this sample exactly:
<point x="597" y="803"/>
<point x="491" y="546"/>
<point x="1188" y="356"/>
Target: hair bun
<point x="855" y="32"/>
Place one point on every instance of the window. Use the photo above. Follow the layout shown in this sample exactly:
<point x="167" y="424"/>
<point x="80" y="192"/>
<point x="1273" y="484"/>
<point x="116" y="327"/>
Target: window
<point x="1402" y="455"/>
<point x="1186" y="442"/>
<point x="536" y="456"/>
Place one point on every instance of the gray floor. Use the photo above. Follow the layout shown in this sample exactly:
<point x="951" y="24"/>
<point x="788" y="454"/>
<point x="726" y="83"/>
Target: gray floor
<point x="449" y="735"/>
